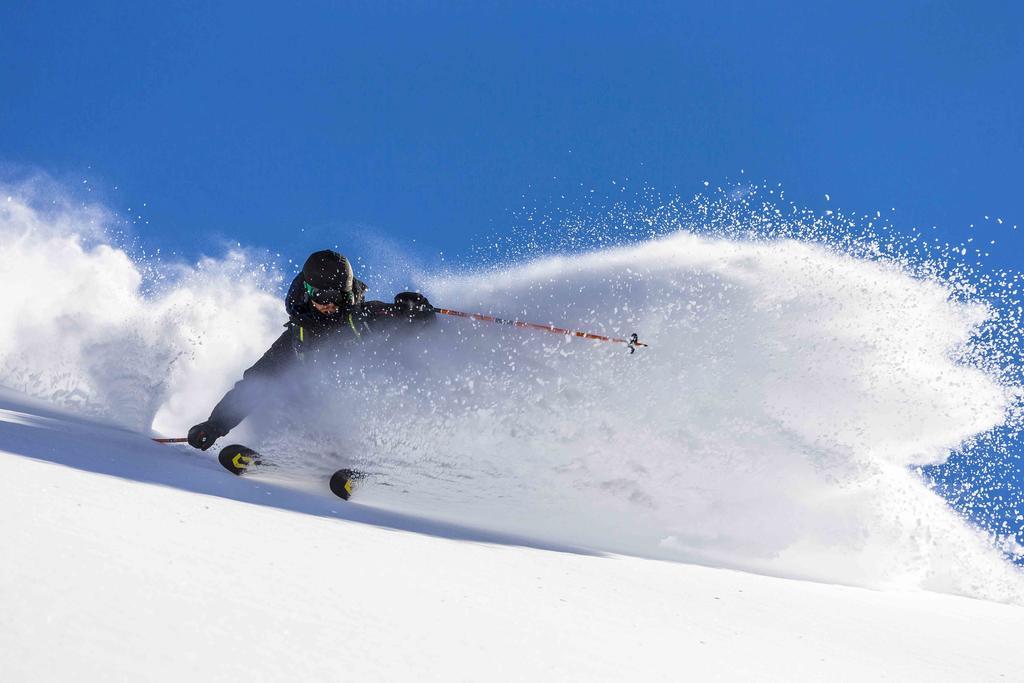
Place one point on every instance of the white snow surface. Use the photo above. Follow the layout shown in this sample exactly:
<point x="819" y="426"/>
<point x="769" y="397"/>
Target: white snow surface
<point x="126" y="560"/>
<point x="738" y="500"/>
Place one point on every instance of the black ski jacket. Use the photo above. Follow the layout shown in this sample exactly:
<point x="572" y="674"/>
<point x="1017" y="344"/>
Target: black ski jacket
<point x="307" y="331"/>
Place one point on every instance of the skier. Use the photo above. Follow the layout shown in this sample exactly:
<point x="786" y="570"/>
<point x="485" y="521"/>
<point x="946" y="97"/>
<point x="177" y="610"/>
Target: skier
<point x="325" y="305"/>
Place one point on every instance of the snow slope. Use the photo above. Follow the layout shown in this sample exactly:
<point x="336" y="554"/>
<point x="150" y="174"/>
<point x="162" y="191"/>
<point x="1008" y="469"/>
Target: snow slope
<point x="126" y="560"/>
<point x="527" y="488"/>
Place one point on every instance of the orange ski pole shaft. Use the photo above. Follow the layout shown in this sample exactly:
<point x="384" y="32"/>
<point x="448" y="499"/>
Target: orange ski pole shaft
<point x="632" y="343"/>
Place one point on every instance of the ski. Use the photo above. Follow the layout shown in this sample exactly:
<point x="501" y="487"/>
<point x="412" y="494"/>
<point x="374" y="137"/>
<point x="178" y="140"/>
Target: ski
<point x="238" y="459"/>
<point x="342" y="482"/>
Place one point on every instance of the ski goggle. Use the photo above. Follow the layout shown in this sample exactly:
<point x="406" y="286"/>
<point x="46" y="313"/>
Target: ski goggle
<point x="329" y="296"/>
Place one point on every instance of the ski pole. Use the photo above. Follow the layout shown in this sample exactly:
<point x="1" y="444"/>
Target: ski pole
<point x="180" y="440"/>
<point x="632" y="343"/>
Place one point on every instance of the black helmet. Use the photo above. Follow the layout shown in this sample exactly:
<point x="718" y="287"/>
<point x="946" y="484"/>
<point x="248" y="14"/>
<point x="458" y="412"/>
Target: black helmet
<point x="327" y="276"/>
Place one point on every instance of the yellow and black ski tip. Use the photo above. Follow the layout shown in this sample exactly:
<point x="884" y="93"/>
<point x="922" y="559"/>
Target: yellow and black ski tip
<point x="343" y="481"/>
<point x="236" y="458"/>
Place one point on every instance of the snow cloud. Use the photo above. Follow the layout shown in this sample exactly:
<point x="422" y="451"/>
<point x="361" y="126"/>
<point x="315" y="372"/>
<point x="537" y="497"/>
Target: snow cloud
<point x="773" y="424"/>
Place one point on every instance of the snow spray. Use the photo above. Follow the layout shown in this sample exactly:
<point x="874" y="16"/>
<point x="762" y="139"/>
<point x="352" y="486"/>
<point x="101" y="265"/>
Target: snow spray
<point x="777" y="423"/>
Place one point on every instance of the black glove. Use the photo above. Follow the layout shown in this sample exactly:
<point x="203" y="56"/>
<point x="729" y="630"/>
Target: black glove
<point x="414" y="305"/>
<point x="204" y="434"/>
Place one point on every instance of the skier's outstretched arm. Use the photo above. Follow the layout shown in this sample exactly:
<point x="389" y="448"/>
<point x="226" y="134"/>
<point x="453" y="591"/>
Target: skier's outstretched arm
<point x="243" y="398"/>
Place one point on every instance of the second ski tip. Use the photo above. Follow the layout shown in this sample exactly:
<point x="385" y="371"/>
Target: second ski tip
<point x="342" y="482"/>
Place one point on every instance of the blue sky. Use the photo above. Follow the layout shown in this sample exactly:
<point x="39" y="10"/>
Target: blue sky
<point x="285" y="128"/>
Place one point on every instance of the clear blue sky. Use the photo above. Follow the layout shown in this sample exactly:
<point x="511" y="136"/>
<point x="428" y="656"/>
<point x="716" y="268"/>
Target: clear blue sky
<point x="431" y="120"/>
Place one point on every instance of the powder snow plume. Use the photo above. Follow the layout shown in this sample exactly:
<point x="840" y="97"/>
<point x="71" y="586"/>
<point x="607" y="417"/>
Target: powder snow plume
<point x="776" y="423"/>
<point x="88" y="327"/>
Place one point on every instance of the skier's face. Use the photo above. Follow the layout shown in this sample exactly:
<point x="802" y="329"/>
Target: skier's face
<point x="325" y="309"/>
